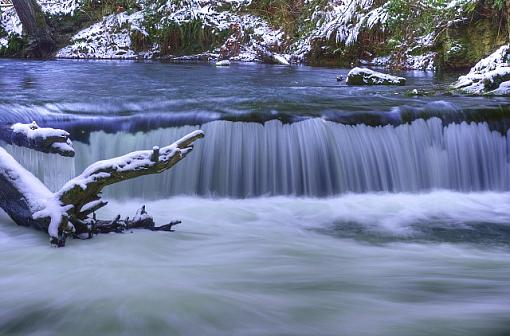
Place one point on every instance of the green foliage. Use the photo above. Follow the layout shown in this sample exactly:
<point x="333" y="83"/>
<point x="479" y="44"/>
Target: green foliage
<point x="498" y="4"/>
<point x="184" y="38"/>
<point x="97" y="9"/>
<point x="282" y="14"/>
<point x="15" y="46"/>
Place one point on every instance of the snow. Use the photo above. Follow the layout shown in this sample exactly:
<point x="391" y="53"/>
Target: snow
<point x="134" y="161"/>
<point x="344" y="20"/>
<point x="60" y="7"/>
<point x="141" y="215"/>
<point x="108" y="39"/>
<point x="421" y="62"/>
<point x="371" y="77"/>
<point x="11" y="23"/>
<point x="42" y="202"/>
<point x="223" y="63"/>
<point x="91" y="205"/>
<point x="34" y="132"/>
<point x="340" y="20"/>
<point x="111" y="38"/>
<point x="281" y="59"/>
<point x="483" y="76"/>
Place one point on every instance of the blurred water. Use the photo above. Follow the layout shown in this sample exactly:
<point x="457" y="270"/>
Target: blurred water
<point x="268" y="266"/>
<point x="311" y="158"/>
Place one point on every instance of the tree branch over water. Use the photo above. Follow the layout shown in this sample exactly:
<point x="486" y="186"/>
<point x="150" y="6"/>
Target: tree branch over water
<point x="68" y="212"/>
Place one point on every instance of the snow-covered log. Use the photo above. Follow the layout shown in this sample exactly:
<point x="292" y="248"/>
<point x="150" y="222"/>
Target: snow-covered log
<point x="46" y="140"/>
<point x="30" y="203"/>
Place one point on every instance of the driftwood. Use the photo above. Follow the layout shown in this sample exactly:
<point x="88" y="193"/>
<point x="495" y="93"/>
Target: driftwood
<point x="68" y="211"/>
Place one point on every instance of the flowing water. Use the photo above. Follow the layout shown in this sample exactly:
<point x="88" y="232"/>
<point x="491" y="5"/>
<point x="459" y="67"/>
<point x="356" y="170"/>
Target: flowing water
<point x="310" y="208"/>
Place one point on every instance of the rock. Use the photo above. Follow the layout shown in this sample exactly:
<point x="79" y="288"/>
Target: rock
<point x="339" y="78"/>
<point x="489" y="76"/>
<point x="280" y="59"/>
<point x="363" y="76"/>
<point x="223" y="63"/>
<point x="269" y="57"/>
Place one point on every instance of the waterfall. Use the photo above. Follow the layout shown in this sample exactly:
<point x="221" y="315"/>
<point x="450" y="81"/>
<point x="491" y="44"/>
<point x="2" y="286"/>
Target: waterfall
<point x="311" y="158"/>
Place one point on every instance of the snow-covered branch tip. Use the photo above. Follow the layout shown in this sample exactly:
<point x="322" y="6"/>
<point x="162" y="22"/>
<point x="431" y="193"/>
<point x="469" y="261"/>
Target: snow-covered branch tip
<point x="46" y="140"/>
<point x="83" y="191"/>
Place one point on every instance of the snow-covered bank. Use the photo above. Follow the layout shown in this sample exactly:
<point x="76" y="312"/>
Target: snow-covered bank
<point x="490" y="76"/>
<point x="332" y="32"/>
<point x="110" y="38"/>
<point x="241" y="36"/>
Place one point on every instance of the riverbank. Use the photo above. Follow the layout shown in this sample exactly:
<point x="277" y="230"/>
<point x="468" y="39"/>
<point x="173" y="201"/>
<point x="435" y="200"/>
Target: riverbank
<point x="450" y="35"/>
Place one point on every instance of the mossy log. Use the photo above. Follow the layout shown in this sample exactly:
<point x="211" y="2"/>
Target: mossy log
<point x="67" y="212"/>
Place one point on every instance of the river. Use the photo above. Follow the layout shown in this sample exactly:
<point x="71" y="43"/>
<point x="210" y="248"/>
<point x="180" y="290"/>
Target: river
<point x="310" y="207"/>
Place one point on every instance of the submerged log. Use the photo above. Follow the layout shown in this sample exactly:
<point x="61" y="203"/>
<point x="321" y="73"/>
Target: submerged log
<point x="67" y="212"/>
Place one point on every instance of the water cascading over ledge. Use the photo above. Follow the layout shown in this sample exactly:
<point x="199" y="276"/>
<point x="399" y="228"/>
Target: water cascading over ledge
<point x="310" y="158"/>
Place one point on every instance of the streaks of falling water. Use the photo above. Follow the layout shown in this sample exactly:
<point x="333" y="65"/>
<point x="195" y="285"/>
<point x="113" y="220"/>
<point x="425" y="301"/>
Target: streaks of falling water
<point x="312" y="158"/>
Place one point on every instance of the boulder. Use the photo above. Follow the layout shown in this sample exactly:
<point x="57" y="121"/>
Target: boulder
<point x="363" y="76"/>
<point x="490" y="76"/>
<point x="223" y="63"/>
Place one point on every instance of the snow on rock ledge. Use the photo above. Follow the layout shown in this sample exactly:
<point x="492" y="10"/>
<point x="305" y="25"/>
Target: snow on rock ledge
<point x="363" y="76"/>
<point x="108" y="39"/>
<point x="489" y="76"/>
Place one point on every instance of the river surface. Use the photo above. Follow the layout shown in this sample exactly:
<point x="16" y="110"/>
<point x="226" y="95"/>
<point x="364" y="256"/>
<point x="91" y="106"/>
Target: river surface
<point x="310" y="208"/>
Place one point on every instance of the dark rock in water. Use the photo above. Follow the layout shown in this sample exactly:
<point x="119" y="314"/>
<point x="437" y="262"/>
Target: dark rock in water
<point x="362" y="76"/>
<point x="339" y="78"/>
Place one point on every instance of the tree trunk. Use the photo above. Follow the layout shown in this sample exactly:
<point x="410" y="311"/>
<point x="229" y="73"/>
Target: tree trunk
<point x="508" y="18"/>
<point x="42" y="44"/>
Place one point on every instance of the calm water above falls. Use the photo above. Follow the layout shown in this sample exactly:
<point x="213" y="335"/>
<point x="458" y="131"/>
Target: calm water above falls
<point x="320" y="225"/>
<point x="151" y="95"/>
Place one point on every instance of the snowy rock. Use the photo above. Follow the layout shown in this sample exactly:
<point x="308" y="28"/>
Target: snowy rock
<point x="363" y="76"/>
<point x="223" y="63"/>
<point x="489" y="76"/>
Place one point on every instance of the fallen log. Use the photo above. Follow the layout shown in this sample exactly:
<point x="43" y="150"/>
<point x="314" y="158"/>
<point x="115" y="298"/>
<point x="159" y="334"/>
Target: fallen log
<point x="67" y="212"/>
